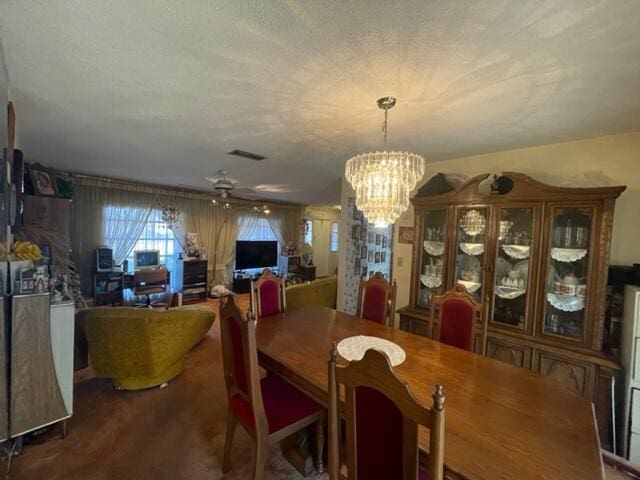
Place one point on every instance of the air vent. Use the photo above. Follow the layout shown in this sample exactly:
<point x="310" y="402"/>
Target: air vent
<point x="252" y="156"/>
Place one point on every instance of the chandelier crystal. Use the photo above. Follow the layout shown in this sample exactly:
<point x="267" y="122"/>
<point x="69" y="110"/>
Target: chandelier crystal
<point x="384" y="180"/>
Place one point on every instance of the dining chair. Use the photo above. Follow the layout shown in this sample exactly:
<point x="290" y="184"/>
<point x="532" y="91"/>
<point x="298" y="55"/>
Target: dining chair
<point x="269" y="409"/>
<point x="267" y="295"/>
<point x="457" y="314"/>
<point x="377" y="299"/>
<point x="381" y="418"/>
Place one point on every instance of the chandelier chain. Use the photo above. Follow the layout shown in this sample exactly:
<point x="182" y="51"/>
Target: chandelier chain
<point x="385" y="127"/>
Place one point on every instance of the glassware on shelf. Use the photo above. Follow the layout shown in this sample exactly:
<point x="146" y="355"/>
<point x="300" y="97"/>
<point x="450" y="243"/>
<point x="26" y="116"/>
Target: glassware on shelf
<point x="512" y="267"/>
<point x="568" y="266"/>
<point x="431" y="274"/>
<point x="471" y="234"/>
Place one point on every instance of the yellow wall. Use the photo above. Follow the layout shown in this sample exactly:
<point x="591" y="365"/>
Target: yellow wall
<point x="610" y="160"/>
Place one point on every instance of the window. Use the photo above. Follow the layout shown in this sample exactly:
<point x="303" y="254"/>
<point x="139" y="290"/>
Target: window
<point x="333" y="246"/>
<point x="257" y="230"/>
<point x="308" y="232"/>
<point x="155" y="236"/>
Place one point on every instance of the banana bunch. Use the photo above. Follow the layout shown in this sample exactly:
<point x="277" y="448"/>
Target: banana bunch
<point x="26" y="251"/>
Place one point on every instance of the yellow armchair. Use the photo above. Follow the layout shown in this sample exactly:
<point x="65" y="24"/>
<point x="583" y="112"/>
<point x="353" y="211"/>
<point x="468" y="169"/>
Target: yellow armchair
<point x="319" y="293"/>
<point x="142" y="347"/>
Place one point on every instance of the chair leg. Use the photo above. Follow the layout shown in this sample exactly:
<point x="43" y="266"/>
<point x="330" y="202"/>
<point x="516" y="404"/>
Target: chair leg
<point x="262" y="455"/>
<point x="319" y="427"/>
<point x="232" y="421"/>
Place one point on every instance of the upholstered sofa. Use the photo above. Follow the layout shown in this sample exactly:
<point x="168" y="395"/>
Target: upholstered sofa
<point x="142" y="347"/>
<point x="319" y="293"/>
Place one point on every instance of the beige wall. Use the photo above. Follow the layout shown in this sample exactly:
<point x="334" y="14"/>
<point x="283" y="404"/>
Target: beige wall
<point x="610" y="160"/>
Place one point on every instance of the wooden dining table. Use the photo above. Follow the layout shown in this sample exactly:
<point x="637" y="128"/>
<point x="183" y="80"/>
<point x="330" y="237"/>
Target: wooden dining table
<point x="501" y="422"/>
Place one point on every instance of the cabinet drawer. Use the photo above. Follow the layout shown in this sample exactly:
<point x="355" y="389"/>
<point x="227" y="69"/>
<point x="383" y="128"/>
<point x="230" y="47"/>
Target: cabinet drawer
<point x="508" y="352"/>
<point x="636" y="359"/>
<point x="413" y="325"/>
<point x="420" y="328"/>
<point x="635" y="410"/>
<point x="634" y="448"/>
<point x="572" y="374"/>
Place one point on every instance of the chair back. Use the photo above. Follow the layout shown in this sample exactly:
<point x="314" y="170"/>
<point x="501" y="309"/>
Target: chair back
<point x="457" y="315"/>
<point x="381" y="421"/>
<point x="150" y="281"/>
<point x="377" y="299"/>
<point x="240" y="360"/>
<point x="267" y="294"/>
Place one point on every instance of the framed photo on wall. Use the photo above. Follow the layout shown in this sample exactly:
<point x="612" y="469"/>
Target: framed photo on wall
<point x="405" y="234"/>
<point x="384" y="242"/>
<point x="363" y="251"/>
<point x="372" y="256"/>
<point x="41" y="180"/>
<point x="378" y="239"/>
<point x="383" y="257"/>
<point x="377" y="257"/>
<point x="356" y="267"/>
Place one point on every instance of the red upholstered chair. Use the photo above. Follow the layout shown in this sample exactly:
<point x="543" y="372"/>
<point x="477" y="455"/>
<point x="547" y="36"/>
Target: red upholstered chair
<point x="267" y="295"/>
<point x="269" y="409"/>
<point x="377" y="299"/>
<point x="381" y="418"/>
<point x="455" y="316"/>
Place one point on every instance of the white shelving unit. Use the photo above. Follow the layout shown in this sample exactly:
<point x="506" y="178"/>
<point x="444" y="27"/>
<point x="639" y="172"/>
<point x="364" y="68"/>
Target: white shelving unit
<point x="630" y="357"/>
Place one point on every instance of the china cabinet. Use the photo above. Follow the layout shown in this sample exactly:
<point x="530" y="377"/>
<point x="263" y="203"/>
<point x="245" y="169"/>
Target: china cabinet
<point x="536" y="256"/>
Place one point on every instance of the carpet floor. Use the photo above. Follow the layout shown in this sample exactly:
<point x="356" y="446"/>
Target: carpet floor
<point x="175" y="433"/>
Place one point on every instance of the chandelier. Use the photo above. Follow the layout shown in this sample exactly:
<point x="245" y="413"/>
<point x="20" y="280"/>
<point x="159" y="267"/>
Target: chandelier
<point x="384" y="180"/>
<point x="170" y="215"/>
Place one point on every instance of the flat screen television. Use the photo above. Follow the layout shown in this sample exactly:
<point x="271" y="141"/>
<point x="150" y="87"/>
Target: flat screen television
<point x="146" y="259"/>
<point x="256" y="254"/>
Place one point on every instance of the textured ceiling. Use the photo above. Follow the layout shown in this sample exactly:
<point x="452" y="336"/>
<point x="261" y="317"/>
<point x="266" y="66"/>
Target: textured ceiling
<point x="160" y="90"/>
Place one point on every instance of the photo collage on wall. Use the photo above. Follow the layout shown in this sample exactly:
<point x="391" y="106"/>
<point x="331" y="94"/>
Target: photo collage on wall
<point x="368" y="251"/>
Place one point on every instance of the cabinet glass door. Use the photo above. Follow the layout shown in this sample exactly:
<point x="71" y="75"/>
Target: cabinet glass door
<point x="512" y="278"/>
<point x="470" y="249"/>
<point x="568" y="262"/>
<point x="434" y="225"/>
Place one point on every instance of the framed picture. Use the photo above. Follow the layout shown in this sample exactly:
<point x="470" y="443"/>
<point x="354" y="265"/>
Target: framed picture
<point x="384" y="242"/>
<point x="356" y="267"/>
<point x="377" y="257"/>
<point x="42" y="181"/>
<point x="363" y="233"/>
<point x="372" y="237"/>
<point x="354" y="232"/>
<point x="405" y="234"/>
<point x="363" y="251"/>
<point x="383" y="257"/>
<point x="364" y="271"/>
<point x="371" y="256"/>
<point x="378" y="239"/>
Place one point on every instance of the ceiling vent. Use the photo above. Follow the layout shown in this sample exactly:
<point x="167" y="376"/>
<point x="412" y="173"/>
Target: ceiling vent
<point x="242" y="153"/>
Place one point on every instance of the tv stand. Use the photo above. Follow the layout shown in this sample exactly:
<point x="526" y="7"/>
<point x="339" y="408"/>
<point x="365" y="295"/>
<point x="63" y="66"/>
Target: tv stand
<point x="241" y="284"/>
<point x="242" y="281"/>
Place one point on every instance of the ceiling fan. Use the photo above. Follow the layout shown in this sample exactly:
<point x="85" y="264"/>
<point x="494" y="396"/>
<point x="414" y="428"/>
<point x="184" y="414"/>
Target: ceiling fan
<point x="225" y="185"/>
